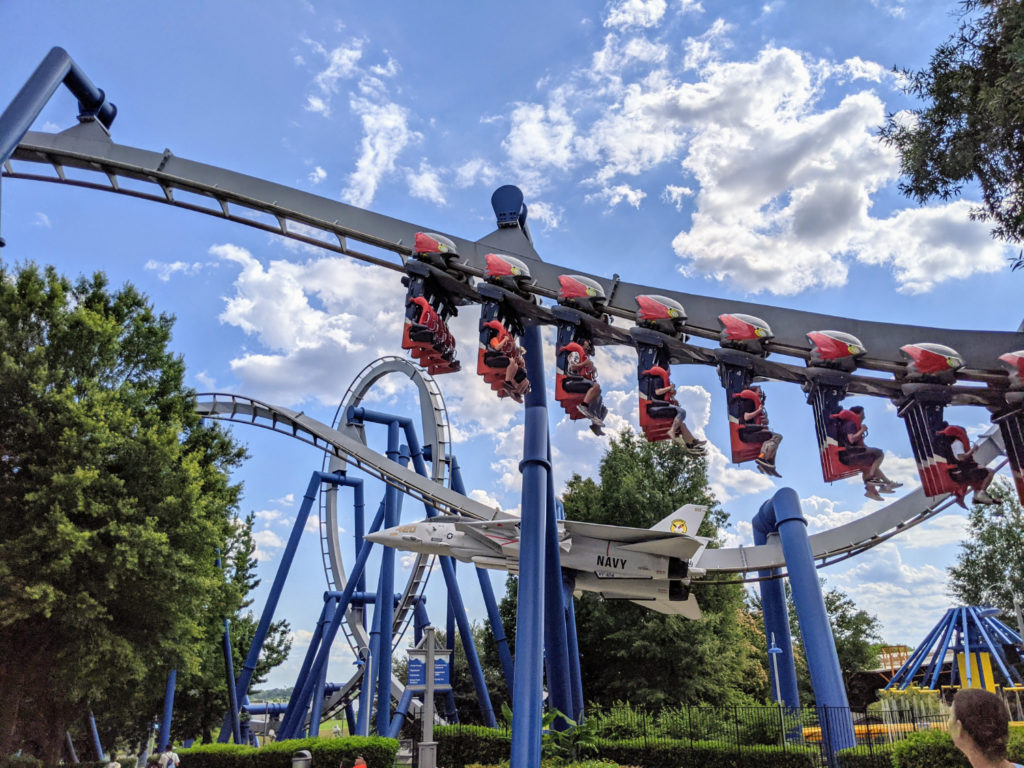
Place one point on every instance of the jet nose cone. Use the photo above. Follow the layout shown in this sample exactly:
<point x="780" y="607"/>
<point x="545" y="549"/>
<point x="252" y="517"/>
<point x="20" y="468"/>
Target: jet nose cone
<point x="387" y="537"/>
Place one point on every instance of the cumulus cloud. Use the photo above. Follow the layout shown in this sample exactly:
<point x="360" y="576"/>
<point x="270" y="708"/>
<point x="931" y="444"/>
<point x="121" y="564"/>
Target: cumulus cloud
<point x="540" y="137"/>
<point x="636" y="13"/>
<point x="475" y="171"/>
<point x="425" y="183"/>
<point x="676" y="195"/>
<point x="267" y="543"/>
<point x="908" y="600"/>
<point x="618" y="194"/>
<point x="317" y="175"/>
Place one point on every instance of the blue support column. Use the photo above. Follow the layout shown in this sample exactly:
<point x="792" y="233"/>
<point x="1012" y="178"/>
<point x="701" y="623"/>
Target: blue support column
<point x="229" y="675"/>
<point x="776" y="620"/>
<point x="490" y="603"/>
<point x="386" y="588"/>
<point x="400" y="712"/>
<point x="526" y="694"/>
<point x="316" y="710"/>
<point x="575" y="673"/>
<point x="71" y="747"/>
<point x="350" y="719"/>
<point x="242" y="687"/>
<point x="165" y="721"/>
<point x="96" y="746"/>
<point x="326" y="616"/>
<point x="556" y="650"/>
<point x="304" y="688"/>
<point x="783" y="513"/>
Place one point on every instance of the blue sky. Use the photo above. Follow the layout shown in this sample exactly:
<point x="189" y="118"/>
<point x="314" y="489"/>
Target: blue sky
<point x="719" y="148"/>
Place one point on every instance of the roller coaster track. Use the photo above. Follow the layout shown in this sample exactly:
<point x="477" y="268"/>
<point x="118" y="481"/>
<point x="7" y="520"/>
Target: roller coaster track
<point x="827" y="547"/>
<point x="99" y="163"/>
<point x="331" y="225"/>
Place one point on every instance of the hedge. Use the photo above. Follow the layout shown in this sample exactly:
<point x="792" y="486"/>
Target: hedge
<point x="327" y="753"/>
<point x="460" y="746"/>
<point x="876" y="756"/>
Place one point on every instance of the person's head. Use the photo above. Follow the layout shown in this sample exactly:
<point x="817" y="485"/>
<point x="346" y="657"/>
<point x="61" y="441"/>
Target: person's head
<point x="982" y="718"/>
<point x="858" y="409"/>
<point x="167" y="747"/>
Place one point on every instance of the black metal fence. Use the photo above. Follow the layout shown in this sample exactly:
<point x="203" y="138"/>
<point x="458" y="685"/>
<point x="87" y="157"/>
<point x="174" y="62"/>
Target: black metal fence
<point x="746" y="731"/>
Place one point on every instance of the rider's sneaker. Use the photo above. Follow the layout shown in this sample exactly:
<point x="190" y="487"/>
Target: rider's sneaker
<point x="982" y="497"/>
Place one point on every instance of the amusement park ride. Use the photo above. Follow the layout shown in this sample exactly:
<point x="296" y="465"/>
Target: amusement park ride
<point x="921" y="370"/>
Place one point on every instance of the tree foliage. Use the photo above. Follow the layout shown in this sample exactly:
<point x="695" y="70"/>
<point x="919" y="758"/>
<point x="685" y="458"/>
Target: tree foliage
<point x="114" y="497"/>
<point x="971" y="125"/>
<point x="989" y="567"/>
<point x="650" y="659"/>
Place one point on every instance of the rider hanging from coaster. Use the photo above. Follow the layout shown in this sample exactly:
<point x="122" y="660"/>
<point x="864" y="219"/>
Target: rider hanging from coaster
<point x="754" y="428"/>
<point x="665" y="396"/>
<point x="504" y="344"/>
<point x="854" y="453"/>
<point x="581" y="368"/>
<point x="964" y="470"/>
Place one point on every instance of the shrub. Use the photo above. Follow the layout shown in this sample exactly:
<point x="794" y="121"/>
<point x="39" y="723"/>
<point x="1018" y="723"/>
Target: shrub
<point x="928" y="749"/>
<point x="326" y="753"/>
<point x="879" y="756"/>
<point x="620" y="721"/>
<point x="20" y="761"/>
<point x="459" y="745"/>
<point x="704" y="754"/>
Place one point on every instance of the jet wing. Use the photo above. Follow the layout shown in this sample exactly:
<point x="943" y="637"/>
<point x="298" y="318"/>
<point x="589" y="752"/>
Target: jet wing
<point x="663" y="543"/>
<point x="687" y="608"/>
<point x="496" y="534"/>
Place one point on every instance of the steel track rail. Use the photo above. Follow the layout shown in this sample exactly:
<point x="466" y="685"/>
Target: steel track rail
<point x="330" y="224"/>
<point x="827" y="547"/>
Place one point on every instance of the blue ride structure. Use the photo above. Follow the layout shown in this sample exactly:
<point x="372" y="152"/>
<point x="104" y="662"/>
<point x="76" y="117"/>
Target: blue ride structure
<point x="924" y="370"/>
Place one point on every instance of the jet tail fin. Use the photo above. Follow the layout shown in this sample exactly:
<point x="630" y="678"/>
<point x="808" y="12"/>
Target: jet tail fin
<point x="686" y="519"/>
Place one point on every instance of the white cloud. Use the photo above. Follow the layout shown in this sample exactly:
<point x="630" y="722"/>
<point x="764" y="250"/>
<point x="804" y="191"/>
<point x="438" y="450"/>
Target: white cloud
<point x="690" y="6"/>
<point x="426" y="183"/>
<point x="540" y="137"/>
<point x="288" y="499"/>
<point x="267" y="515"/>
<point x="165" y="270"/>
<point x="618" y="194"/>
<point x="907" y="600"/>
<point x="267" y="542"/>
<point x="206" y="381"/>
<point x="317" y="105"/>
<point x="676" y="195"/>
<point x="342" y="63"/>
<point x="545" y="213"/>
<point x="474" y="171"/>
<point x="636" y="13"/>
<point x="616" y="55"/>
<point x="42" y="220"/>
<point x="317" y="175"/>
<point x="386" y="133"/>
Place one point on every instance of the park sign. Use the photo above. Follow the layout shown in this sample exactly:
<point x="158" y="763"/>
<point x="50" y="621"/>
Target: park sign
<point x="420" y="656"/>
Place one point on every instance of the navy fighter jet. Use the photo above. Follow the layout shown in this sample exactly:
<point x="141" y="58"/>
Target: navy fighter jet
<point x="651" y="567"/>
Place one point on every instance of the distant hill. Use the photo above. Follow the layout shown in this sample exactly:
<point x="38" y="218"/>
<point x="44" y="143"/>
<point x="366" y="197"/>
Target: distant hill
<point x="272" y="694"/>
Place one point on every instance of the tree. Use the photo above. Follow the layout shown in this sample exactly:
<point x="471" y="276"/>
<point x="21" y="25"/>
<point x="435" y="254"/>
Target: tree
<point x="971" y="125"/>
<point x="988" y="569"/>
<point x="114" y="497"/>
<point x="650" y="659"/>
<point x="855" y="631"/>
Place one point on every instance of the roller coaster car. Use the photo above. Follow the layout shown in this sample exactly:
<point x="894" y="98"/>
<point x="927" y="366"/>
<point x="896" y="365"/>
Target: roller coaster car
<point x="1011" y="418"/>
<point x="434" y="249"/>
<point x="826" y="390"/>
<point x="570" y="389"/>
<point x="662" y="314"/>
<point x="657" y="412"/>
<point x="499" y="347"/>
<point x="653" y="364"/>
<point x="931" y="363"/>
<point x="745" y="332"/>
<point x="581" y="293"/>
<point x="740" y="403"/>
<point x="425" y="333"/>
<point x="508" y="272"/>
<point x="835" y="349"/>
<point x="923" y="411"/>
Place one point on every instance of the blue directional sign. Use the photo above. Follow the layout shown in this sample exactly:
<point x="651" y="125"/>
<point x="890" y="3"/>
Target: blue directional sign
<point x="418" y="672"/>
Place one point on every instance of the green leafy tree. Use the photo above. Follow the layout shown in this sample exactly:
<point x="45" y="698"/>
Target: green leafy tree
<point x="855" y="631"/>
<point x="113" y="498"/>
<point x="989" y="567"/>
<point x="970" y="127"/>
<point x="633" y="654"/>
